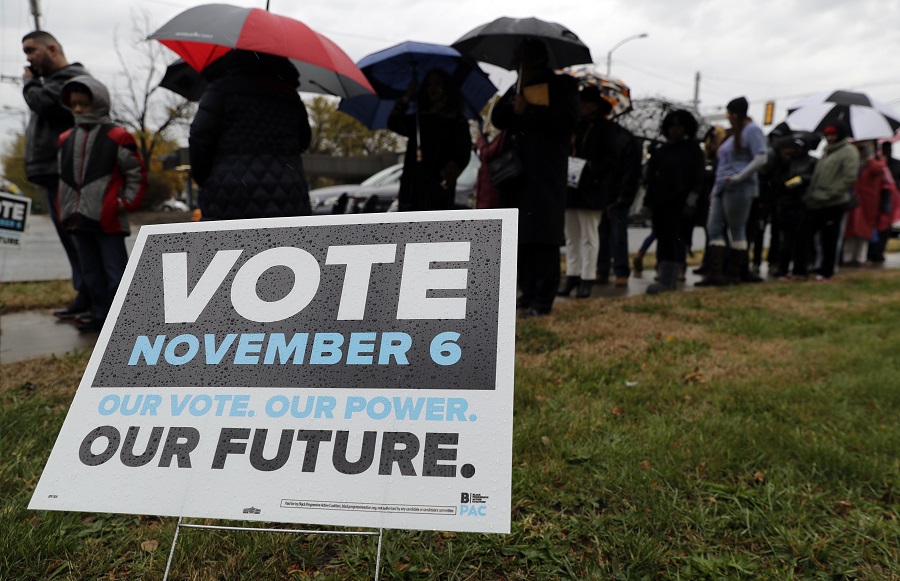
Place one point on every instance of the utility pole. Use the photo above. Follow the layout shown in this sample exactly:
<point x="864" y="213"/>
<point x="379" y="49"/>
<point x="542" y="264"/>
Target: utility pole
<point x="697" y="91"/>
<point x="36" y="12"/>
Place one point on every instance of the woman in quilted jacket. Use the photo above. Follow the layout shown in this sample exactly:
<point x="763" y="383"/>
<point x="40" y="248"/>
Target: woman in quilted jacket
<point x="247" y="138"/>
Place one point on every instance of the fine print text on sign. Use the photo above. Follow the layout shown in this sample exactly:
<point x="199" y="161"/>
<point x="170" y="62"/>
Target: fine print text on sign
<point x="344" y="370"/>
<point x="14" y="212"/>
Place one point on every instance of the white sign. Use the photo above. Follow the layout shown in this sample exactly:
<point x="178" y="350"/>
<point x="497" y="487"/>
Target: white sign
<point x="342" y="370"/>
<point x="14" y="212"/>
<point x="576" y="168"/>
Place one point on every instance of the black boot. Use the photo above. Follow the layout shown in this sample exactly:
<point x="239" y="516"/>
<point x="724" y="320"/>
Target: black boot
<point x="737" y="265"/>
<point x="714" y="267"/>
<point x="569" y="285"/>
<point x="584" y="289"/>
<point x="668" y="278"/>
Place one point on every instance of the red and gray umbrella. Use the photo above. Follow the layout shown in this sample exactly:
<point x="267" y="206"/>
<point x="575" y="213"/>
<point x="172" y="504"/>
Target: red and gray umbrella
<point x="865" y="117"/>
<point x="203" y="34"/>
<point x="496" y="42"/>
<point x="617" y="93"/>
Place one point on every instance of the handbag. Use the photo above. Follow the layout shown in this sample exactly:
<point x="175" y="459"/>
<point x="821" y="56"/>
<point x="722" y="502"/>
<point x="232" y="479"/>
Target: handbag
<point x="508" y="166"/>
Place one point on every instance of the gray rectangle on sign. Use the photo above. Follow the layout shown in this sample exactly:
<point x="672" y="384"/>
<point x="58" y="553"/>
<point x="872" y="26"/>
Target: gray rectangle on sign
<point x="142" y="312"/>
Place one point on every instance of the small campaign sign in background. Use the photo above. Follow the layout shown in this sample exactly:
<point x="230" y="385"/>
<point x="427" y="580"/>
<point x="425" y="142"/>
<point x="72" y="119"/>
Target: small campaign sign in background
<point x="341" y="370"/>
<point x="14" y="212"/>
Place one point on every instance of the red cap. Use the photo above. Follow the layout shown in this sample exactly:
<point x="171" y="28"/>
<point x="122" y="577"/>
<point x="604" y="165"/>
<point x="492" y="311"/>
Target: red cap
<point x="830" y="129"/>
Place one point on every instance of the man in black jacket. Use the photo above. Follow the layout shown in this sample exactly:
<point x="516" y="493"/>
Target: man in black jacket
<point x="44" y="78"/>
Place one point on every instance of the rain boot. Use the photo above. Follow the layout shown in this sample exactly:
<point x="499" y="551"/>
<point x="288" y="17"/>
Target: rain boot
<point x="568" y="286"/>
<point x="584" y="289"/>
<point x="668" y="278"/>
<point x="714" y="267"/>
<point x="737" y="265"/>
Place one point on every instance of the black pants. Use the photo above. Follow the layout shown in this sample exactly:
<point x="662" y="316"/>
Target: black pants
<point x="670" y="242"/>
<point x="793" y="247"/>
<point x="827" y="223"/>
<point x="538" y="275"/>
<point x="50" y="185"/>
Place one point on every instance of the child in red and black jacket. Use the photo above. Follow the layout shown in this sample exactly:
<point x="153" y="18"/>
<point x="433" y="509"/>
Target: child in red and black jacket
<point x="101" y="178"/>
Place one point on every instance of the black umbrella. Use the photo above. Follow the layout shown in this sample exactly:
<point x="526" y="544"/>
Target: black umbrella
<point x="496" y="42"/>
<point x="181" y="78"/>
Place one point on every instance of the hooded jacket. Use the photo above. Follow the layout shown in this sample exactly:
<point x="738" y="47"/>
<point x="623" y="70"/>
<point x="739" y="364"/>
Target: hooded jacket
<point x="49" y="119"/>
<point x="833" y="177"/>
<point x="98" y="166"/>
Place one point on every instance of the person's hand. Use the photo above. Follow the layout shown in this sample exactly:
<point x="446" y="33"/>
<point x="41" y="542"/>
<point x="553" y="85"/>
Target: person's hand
<point x="519" y="104"/>
<point x="28" y="74"/>
<point x="690" y="205"/>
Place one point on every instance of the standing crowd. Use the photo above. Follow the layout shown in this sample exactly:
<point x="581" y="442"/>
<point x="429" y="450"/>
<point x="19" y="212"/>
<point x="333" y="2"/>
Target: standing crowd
<point x="572" y="173"/>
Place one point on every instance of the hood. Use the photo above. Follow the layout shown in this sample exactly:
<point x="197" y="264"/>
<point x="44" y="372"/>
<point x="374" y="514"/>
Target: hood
<point x="99" y="95"/>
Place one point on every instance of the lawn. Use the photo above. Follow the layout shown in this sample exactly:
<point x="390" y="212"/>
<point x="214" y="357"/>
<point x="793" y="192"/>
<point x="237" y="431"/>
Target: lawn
<point x="750" y="432"/>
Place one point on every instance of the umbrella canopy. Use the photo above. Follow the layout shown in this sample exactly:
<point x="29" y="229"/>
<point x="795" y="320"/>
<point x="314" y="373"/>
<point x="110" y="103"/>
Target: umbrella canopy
<point x="496" y="42"/>
<point x="203" y="34"/>
<point x="613" y="90"/>
<point x="182" y="79"/>
<point x="645" y="120"/>
<point x="390" y="71"/>
<point x="865" y="117"/>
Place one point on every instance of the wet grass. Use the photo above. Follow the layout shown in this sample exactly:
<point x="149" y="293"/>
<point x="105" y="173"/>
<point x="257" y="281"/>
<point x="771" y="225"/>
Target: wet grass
<point x="736" y="433"/>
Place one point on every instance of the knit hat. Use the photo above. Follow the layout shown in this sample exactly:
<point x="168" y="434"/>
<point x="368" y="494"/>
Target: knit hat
<point x="738" y="106"/>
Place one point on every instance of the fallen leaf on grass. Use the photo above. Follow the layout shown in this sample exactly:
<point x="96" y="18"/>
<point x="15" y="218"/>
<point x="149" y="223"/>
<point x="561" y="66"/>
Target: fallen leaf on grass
<point x="842" y="507"/>
<point x="545" y="440"/>
<point x="402" y="566"/>
<point x="149" y="546"/>
<point x="712" y="499"/>
<point x="644" y="465"/>
<point x="695" y="376"/>
<point x="617" y="412"/>
<point x="759" y="477"/>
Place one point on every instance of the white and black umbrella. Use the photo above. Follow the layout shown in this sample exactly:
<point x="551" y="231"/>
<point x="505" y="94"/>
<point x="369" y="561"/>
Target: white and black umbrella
<point x="865" y="117"/>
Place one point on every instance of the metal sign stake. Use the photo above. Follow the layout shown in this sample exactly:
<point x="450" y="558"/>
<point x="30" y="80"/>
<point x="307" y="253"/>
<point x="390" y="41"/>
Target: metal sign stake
<point x="180" y="525"/>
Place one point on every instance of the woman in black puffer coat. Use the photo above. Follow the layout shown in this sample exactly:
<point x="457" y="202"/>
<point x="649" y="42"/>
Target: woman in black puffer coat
<point x="247" y="138"/>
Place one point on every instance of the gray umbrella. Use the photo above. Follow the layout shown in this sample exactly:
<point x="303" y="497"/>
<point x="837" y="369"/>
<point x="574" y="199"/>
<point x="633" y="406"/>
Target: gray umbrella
<point x="496" y="42"/>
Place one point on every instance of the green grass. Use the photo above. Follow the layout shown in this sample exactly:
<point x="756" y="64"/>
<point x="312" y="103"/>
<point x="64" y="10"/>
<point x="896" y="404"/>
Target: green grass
<point x="741" y="433"/>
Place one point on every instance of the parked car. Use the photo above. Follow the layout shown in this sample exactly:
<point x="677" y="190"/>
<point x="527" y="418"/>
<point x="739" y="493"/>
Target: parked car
<point x="378" y="193"/>
<point x="172" y="205"/>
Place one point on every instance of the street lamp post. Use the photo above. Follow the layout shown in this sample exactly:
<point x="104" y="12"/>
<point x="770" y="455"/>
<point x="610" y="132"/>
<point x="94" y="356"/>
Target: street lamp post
<point x="617" y="45"/>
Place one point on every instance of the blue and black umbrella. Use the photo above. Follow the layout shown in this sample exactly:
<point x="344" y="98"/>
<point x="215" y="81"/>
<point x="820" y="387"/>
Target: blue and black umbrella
<point x="392" y="70"/>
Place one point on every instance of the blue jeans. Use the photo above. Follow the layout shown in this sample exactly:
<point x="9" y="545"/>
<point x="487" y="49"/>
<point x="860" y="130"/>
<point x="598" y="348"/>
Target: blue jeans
<point x="614" y="243"/>
<point x="103" y="258"/>
<point x="729" y="209"/>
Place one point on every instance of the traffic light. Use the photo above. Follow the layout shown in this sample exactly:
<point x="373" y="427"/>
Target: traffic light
<point x="770" y="113"/>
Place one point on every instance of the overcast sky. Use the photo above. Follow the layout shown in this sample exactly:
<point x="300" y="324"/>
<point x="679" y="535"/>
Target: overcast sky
<point x="779" y="50"/>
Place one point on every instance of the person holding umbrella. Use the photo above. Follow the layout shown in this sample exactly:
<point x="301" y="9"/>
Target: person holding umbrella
<point x="539" y="113"/>
<point x="439" y="143"/>
<point x="247" y="138"/>
<point x="828" y="196"/>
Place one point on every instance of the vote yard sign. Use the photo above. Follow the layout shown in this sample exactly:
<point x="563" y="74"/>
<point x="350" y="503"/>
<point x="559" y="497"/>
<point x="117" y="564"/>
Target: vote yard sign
<point x="341" y="370"/>
<point x="14" y="212"/>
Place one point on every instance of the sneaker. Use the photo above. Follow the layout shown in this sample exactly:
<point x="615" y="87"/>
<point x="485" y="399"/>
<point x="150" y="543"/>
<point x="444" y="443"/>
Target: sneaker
<point x="69" y="313"/>
<point x="621" y="281"/>
<point x="820" y="278"/>
<point x="603" y="279"/>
